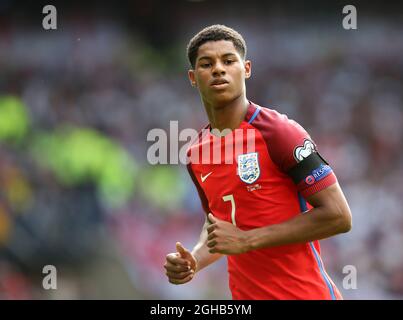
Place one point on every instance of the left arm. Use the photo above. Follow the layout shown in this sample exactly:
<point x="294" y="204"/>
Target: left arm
<point x="330" y="216"/>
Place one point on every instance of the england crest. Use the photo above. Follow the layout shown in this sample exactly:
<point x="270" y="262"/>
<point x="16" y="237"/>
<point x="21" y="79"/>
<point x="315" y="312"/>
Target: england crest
<point x="248" y="167"/>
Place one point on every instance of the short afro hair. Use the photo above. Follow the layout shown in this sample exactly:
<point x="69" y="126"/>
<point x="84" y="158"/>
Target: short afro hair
<point x="215" y="32"/>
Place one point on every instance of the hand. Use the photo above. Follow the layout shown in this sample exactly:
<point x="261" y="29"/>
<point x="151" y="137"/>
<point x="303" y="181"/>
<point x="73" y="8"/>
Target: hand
<point x="224" y="237"/>
<point x="180" y="266"/>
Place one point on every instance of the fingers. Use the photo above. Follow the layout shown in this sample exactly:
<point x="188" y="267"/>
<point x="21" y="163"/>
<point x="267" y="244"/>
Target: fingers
<point x="211" y="218"/>
<point x="181" y="281"/>
<point x="211" y="236"/>
<point x="214" y="223"/>
<point x="214" y="246"/>
<point x="175" y="259"/>
<point x="211" y="243"/>
<point x="181" y="250"/>
<point x="179" y="275"/>
<point x="176" y="268"/>
<point x="215" y="250"/>
<point x="211" y="228"/>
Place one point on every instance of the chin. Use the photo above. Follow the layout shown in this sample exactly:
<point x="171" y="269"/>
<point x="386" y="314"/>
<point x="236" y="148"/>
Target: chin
<point x="220" y="103"/>
<point x="223" y="99"/>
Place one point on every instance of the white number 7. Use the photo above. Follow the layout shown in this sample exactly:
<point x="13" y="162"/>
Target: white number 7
<point x="230" y="197"/>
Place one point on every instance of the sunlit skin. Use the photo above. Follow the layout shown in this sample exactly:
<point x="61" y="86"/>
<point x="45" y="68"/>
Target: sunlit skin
<point x="219" y="75"/>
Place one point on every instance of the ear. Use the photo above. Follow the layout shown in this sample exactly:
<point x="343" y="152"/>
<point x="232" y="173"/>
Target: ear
<point x="192" y="78"/>
<point x="248" y="69"/>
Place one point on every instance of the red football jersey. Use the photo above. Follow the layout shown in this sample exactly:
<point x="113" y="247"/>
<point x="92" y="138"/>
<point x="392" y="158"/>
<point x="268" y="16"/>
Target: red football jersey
<point x="246" y="181"/>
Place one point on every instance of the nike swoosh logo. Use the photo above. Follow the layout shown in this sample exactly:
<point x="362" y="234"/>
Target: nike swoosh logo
<point x="205" y="177"/>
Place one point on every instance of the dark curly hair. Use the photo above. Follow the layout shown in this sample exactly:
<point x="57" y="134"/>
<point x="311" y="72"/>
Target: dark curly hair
<point x="215" y="32"/>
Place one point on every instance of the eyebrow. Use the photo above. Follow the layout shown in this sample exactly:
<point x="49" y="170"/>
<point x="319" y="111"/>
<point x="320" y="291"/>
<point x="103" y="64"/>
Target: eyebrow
<point x="223" y="56"/>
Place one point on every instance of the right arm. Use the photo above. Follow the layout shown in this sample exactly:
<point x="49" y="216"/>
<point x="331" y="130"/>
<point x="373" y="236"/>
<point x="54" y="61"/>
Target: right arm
<point x="201" y="252"/>
<point x="182" y="265"/>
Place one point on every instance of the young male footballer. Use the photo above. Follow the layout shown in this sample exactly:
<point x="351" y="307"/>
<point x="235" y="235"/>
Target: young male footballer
<point x="266" y="209"/>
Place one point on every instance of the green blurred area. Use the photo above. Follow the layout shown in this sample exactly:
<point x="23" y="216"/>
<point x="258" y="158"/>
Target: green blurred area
<point x="81" y="155"/>
<point x="78" y="155"/>
<point x="14" y="120"/>
<point x="163" y="187"/>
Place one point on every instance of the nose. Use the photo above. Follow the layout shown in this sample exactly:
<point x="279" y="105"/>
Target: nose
<point x="218" y="69"/>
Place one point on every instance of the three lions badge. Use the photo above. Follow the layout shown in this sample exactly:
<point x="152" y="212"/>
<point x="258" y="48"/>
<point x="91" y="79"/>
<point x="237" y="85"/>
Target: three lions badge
<point x="248" y="167"/>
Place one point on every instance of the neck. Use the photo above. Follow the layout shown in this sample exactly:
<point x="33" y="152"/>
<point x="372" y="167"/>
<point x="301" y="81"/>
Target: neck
<point x="228" y="116"/>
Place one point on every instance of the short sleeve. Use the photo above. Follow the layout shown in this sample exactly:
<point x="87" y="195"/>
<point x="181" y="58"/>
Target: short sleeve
<point x="295" y="153"/>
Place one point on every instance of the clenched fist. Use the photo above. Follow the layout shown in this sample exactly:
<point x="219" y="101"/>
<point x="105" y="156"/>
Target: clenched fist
<point x="180" y="266"/>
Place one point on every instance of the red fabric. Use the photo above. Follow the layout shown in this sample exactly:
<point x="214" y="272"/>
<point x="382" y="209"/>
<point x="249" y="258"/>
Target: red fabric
<point x="286" y="272"/>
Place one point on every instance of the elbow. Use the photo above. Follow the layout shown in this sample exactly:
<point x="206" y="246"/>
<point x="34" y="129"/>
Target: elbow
<point x="334" y="211"/>
<point x="343" y="222"/>
<point x="339" y="219"/>
<point x="345" y="225"/>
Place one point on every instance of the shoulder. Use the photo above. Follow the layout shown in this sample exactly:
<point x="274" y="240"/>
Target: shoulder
<point x="294" y="152"/>
<point x="197" y="139"/>
<point x="286" y="140"/>
<point x="275" y="125"/>
<point x="195" y="143"/>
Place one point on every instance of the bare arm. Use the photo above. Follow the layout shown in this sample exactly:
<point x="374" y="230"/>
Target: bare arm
<point x="181" y="265"/>
<point x="201" y="251"/>
<point x="330" y="216"/>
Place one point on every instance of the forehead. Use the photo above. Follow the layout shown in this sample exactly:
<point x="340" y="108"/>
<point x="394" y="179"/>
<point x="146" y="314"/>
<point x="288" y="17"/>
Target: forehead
<point x="216" y="48"/>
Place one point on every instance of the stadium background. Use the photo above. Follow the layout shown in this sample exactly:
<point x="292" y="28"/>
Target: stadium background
<point x="76" y="105"/>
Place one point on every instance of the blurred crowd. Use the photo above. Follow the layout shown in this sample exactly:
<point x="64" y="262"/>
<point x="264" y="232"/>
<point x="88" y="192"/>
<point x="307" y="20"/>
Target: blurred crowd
<point x="99" y="81"/>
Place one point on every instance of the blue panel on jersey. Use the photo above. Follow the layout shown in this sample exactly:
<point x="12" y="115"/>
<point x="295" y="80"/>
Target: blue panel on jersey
<point x="254" y="115"/>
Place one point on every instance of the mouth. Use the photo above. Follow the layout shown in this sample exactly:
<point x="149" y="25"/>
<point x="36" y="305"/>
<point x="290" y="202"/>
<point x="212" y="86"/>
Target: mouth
<point x="219" y="83"/>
